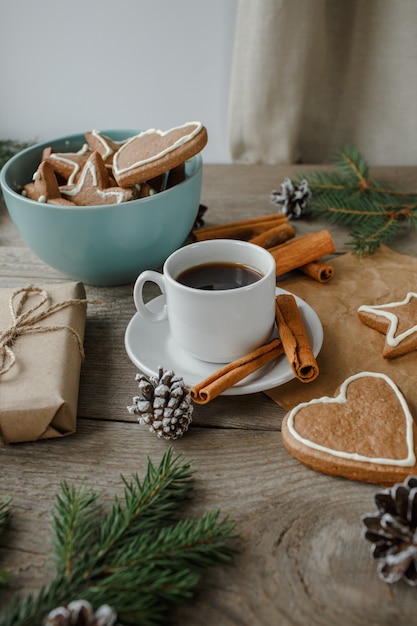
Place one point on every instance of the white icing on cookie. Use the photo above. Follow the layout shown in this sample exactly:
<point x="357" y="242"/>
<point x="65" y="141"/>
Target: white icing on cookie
<point x="70" y="163"/>
<point x="409" y="461"/>
<point x="197" y="128"/>
<point x="90" y="167"/>
<point x="108" y="151"/>
<point x="379" y="309"/>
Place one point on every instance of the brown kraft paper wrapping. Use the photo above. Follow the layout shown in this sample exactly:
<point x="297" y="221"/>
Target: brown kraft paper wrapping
<point x="349" y="346"/>
<point x="39" y="393"/>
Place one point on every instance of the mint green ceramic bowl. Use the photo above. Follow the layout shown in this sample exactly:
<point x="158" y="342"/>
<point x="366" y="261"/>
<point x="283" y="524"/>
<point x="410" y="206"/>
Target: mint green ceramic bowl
<point x="101" y="245"/>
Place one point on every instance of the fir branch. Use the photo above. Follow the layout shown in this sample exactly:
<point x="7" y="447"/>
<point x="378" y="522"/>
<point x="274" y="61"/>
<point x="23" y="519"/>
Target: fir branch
<point x="140" y="557"/>
<point x="75" y="523"/>
<point x="367" y="240"/>
<point x="10" y="147"/>
<point x="352" y="166"/>
<point x="347" y="195"/>
<point x="155" y="500"/>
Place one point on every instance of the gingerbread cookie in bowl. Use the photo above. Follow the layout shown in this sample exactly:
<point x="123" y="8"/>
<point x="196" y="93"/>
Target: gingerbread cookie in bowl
<point x="153" y="152"/>
<point x="67" y="165"/>
<point x="44" y="186"/>
<point x="397" y="320"/>
<point x="94" y="186"/>
<point x="366" y="432"/>
<point x="104" y="145"/>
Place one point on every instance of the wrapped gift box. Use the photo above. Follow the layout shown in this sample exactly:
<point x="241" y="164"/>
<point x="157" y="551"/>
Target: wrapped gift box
<point x="40" y="356"/>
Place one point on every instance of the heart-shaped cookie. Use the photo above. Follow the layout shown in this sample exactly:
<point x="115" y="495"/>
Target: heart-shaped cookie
<point x="153" y="152"/>
<point x="366" y="432"/>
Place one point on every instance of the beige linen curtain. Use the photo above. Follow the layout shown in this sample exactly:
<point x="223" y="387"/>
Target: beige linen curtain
<point x="310" y="75"/>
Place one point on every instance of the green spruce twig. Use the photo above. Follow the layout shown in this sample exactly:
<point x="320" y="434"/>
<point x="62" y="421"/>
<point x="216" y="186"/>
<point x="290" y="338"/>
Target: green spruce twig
<point x="347" y="195"/>
<point x="10" y="147"/>
<point x="141" y="557"/>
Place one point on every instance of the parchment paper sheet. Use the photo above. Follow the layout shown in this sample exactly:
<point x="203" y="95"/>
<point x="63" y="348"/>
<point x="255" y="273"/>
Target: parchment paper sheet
<point x="349" y="346"/>
<point x="39" y="394"/>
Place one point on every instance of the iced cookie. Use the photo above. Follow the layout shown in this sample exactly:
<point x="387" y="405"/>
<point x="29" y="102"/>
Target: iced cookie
<point x="94" y="186"/>
<point x="61" y="201"/>
<point x="397" y="320"/>
<point x="68" y="165"/>
<point x="104" y="145"/>
<point x="44" y="185"/>
<point x="153" y="152"/>
<point x="365" y="432"/>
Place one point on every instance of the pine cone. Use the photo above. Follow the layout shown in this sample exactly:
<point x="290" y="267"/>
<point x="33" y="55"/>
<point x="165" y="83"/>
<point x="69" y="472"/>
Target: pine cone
<point x="80" y="613"/>
<point x="393" y="532"/>
<point x="293" y="199"/>
<point x="164" y="404"/>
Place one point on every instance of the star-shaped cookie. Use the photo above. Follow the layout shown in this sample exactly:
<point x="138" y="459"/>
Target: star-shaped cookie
<point x="94" y="186"/>
<point x="68" y="164"/>
<point x="107" y="147"/>
<point x="397" y="320"/>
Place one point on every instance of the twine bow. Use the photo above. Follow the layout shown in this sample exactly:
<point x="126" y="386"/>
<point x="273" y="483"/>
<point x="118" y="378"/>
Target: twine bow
<point x="26" y="322"/>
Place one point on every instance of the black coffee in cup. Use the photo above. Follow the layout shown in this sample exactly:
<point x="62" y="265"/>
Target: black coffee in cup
<point x="218" y="276"/>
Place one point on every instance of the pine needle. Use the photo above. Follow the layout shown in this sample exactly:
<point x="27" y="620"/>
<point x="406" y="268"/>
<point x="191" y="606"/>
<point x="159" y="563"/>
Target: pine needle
<point x="10" y="147"/>
<point x="374" y="212"/>
<point x="352" y="166"/>
<point x="141" y="556"/>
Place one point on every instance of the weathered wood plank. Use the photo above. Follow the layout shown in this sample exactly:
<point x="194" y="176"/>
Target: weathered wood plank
<point x="303" y="561"/>
<point x="302" y="558"/>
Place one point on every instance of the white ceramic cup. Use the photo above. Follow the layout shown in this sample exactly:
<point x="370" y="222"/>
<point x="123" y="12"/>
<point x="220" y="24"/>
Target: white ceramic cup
<point x="215" y="325"/>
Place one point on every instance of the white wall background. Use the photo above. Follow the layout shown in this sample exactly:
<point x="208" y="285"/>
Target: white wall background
<point x="71" y="66"/>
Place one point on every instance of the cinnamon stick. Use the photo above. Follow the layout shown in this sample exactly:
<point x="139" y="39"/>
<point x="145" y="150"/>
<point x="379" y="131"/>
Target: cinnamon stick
<point x="274" y="236"/>
<point x="242" y="229"/>
<point x="301" y="250"/>
<point x="233" y="372"/>
<point x="294" y="337"/>
<point x="320" y="271"/>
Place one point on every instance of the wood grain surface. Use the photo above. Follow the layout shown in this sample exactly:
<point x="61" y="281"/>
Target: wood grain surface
<point x="303" y="560"/>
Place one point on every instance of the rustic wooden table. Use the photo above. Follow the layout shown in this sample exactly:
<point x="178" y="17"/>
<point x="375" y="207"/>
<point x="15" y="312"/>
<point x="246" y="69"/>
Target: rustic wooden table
<point x="302" y="559"/>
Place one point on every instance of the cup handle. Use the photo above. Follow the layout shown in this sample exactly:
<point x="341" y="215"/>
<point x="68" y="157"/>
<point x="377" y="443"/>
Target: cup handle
<point x="154" y="277"/>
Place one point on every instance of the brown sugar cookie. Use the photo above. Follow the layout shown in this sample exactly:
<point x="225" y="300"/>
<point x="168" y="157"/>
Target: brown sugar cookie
<point x="68" y="165"/>
<point x="104" y="145"/>
<point x="61" y="201"/>
<point x="365" y="432"/>
<point x="93" y="186"/>
<point x="44" y="185"/>
<point x="397" y="320"/>
<point x="153" y="152"/>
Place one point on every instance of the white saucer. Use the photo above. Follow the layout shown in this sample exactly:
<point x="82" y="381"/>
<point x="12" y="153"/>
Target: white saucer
<point x="149" y="346"/>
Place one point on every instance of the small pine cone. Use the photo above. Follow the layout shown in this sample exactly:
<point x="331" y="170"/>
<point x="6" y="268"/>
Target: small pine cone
<point x="293" y="199"/>
<point x="164" y="404"/>
<point x="393" y="532"/>
<point x="80" y="613"/>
